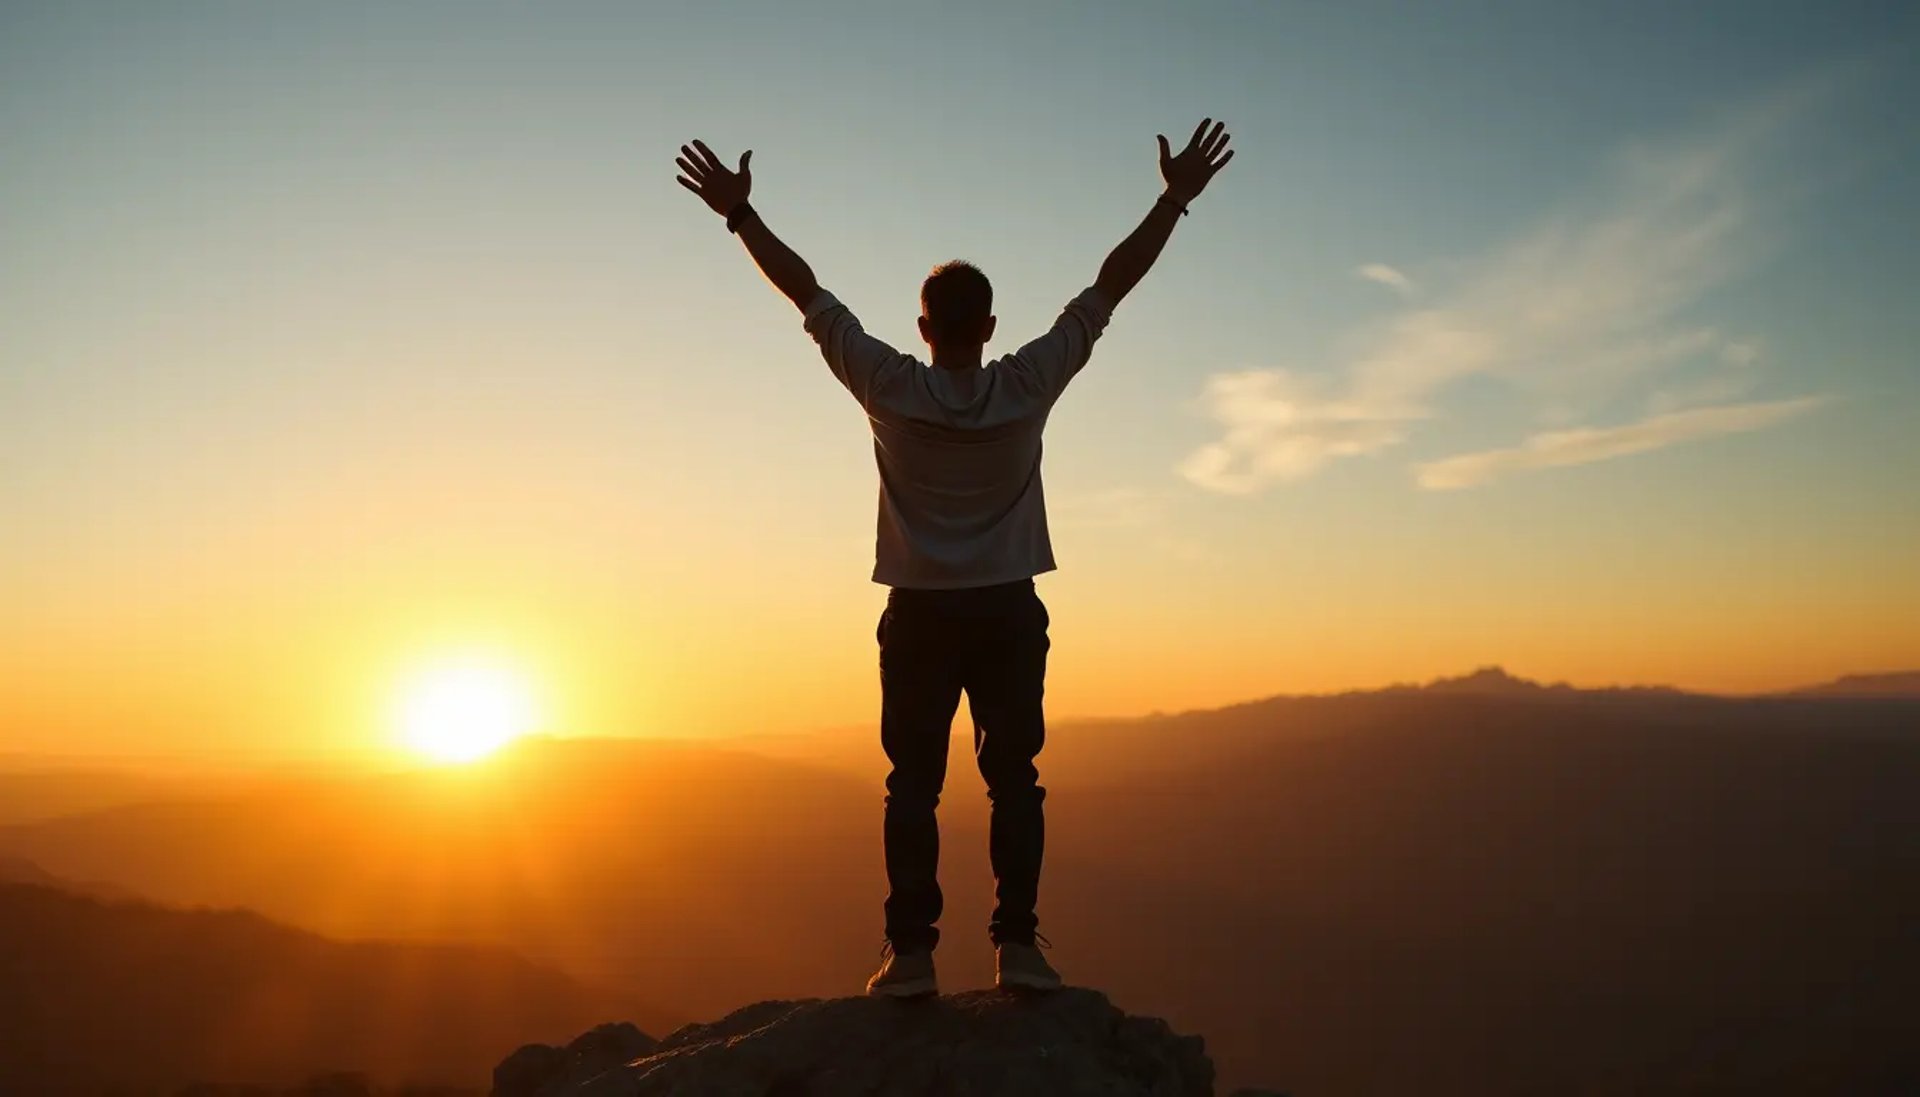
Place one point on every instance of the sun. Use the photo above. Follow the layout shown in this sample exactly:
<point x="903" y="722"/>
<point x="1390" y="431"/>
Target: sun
<point x="463" y="711"/>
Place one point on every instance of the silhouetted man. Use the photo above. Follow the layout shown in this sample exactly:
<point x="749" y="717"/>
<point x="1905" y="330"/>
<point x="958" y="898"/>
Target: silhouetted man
<point x="962" y="533"/>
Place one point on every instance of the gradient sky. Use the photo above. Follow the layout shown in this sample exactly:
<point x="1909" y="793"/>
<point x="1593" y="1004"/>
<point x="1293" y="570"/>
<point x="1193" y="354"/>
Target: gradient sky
<point x="337" y="337"/>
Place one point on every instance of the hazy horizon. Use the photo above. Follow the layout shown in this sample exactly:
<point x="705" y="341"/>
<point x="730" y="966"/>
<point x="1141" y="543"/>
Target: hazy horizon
<point x="240" y="759"/>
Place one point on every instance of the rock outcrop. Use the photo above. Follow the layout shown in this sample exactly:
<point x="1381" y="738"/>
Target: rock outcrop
<point x="541" y="1069"/>
<point x="1070" y="1044"/>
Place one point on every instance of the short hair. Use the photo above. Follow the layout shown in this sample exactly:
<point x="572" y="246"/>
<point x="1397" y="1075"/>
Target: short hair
<point x="956" y="299"/>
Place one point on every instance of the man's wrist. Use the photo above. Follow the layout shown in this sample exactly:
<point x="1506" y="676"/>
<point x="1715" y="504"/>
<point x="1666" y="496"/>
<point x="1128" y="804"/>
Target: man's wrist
<point x="739" y="215"/>
<point x="1175" y="199"/>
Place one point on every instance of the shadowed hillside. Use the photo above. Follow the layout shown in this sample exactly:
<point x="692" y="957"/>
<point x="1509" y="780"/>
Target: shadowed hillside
<point x="97" y="995"/>
<point x="1516" y="889"/>
<point x="1545" y="894"/>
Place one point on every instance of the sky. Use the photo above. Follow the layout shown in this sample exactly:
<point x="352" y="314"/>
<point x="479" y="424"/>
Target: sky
<point x="337" y="339"/>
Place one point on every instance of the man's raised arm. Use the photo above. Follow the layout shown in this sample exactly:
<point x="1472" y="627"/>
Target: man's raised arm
<point x="725" y="193"/>
<point x="861" y="362"/>
<point x="1186" y="175"/>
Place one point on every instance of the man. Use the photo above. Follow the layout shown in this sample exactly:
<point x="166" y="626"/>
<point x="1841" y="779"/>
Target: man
<point x="962" y="533"/>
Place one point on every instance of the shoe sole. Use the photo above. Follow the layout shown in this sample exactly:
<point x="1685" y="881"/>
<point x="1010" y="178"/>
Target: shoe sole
<point x="1022" y="981"/>
<point x="917" y="988"/>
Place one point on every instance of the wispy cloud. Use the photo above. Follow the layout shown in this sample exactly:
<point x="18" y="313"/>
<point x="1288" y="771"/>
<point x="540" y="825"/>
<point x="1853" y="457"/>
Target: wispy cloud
<point x="1283" y="427"/>
<point x="1584" y="445"/>
<point x="1719" y="387"/>
<point x="1390" y="277"/>
<point x="1579" y="310"/>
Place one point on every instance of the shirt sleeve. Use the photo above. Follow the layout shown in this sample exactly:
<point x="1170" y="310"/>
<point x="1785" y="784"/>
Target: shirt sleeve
<point x="861" y="362"/>
<point x="1049" y="362"/>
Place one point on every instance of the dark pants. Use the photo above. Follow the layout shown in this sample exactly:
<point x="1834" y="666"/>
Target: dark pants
<point x="992" y="643"/>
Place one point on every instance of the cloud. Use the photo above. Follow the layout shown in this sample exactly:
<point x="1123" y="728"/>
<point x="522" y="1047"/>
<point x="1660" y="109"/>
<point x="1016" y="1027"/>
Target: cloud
<point x="1282" y="427"/>
<point x="1721" y="387"/>
<point x="1584" y="445"/>
<point x="1387" y="276"/>
<point x="1576" y="312"/>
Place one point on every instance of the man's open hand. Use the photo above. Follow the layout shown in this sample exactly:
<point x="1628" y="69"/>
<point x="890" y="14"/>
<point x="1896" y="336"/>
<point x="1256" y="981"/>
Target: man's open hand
<point x="703" y="174"/>
<point x="1189" y="173"/>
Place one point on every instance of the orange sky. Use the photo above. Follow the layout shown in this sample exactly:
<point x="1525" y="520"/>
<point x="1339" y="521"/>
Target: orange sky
<point x="330" y="348"/>
<point x="299" y="645"/>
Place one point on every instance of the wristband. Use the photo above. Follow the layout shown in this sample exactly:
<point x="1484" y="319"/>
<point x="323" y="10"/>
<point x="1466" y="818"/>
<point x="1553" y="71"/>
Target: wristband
<point x="1164" y="200"/>
<point x="737" y="216"/>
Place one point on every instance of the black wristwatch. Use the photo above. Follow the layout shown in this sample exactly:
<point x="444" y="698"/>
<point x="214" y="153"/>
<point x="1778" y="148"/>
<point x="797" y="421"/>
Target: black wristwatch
<point x="737" y="216"/>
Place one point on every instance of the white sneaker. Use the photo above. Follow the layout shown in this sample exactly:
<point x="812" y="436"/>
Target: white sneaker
<point x="903" y="975"/>
<point x="1022" y="967"/>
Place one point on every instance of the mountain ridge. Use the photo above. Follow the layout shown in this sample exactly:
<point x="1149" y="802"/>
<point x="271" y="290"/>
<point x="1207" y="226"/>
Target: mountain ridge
<point x="98" y="994"/>
<point x="1900" y="684"/>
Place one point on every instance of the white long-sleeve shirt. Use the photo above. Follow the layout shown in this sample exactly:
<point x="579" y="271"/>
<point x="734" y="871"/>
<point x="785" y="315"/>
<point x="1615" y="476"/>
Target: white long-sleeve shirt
<point x="961" y="503"/>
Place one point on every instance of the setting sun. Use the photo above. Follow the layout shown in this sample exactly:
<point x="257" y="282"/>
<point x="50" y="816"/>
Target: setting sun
<point x="461" y="712"/>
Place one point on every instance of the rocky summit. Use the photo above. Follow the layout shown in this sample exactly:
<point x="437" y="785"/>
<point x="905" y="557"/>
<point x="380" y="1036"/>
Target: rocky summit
<point x="1073" y="1043"/>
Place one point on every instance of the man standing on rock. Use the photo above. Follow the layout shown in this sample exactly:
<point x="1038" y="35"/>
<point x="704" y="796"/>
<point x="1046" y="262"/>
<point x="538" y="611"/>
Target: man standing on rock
<point x="962" y="533"/>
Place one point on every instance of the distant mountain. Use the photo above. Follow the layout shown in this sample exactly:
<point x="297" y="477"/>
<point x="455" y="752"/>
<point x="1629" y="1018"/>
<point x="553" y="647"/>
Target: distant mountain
<point x="32" y="789"/>
<point x="1900" y="684"/>
<point x="98" y="996"/>
<point x="1635" y="890"/>
<point x="1496" y="681"/>
<point x="1491" y="680"/>
<point x="16" y="870"/>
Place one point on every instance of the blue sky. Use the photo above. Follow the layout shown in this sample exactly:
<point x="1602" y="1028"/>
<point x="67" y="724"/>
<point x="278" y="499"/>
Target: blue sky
<point x="1601" y="307"/>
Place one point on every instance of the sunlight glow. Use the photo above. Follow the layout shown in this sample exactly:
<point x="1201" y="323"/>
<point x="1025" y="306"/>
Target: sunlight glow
<point x="464" y="711"/>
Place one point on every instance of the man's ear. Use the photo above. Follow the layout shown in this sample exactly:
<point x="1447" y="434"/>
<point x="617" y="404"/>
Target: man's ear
<point x="926" y="331"/>
<point x="986" y="330"/>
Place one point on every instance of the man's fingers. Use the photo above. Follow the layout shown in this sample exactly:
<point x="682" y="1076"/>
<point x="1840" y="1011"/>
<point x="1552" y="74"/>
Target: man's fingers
<point x="1223" y="160"/>
<point x="1214" y="140"/>
<point x="1218" y="147"/>
<point x="744" y="157"/>
<point x="1198" y="132"/>
<point x="713" y="161"/>
<point x="1166" y="152"/>
<point x="699" y="163"/>
<point x="691" y="168"/>
<point x="685" y="182"/>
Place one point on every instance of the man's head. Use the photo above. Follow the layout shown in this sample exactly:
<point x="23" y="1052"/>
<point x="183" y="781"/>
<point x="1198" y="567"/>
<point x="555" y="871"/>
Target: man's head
<point x="956" y="307"/>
